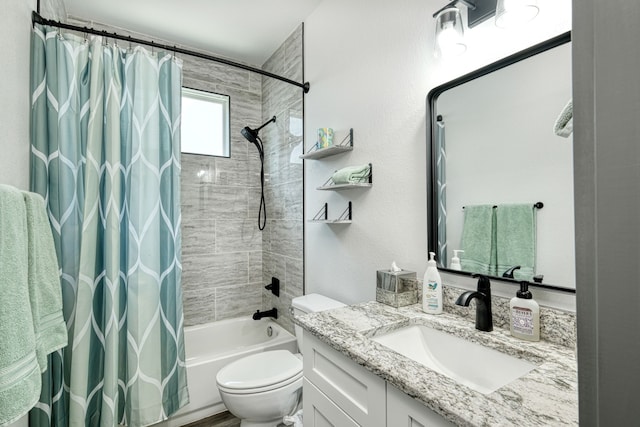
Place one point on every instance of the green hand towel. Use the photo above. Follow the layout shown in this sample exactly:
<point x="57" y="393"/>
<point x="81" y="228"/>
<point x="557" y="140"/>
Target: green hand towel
<point x="20" y="378"/>
<point x="478" y="240"/>
<point x="352" y="175"/>
<point x="516" y="239"/>
<point x="44" y="281"/>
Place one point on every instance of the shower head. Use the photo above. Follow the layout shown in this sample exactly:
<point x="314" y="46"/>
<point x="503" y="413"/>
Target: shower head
<point x="251" y="135"/>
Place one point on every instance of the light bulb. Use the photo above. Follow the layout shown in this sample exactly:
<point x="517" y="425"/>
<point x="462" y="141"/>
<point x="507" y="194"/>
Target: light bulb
<point x="511" y="13"/>
<point x="449" y="33"/>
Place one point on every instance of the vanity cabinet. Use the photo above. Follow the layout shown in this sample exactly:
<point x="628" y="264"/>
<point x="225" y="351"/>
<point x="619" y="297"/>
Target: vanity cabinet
<point x="402" y="410"/>
<point x="339" y="392"/>
<point x="336" y="387"/>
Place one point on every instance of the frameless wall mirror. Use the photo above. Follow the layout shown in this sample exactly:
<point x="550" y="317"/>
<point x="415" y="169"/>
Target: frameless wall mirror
<point x="500" y="181"/>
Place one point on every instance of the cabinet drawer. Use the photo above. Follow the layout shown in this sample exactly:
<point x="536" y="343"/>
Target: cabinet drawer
<point x="402" y="410"/>
<point x="319" y="411"/>
<point x="355" y="390"/>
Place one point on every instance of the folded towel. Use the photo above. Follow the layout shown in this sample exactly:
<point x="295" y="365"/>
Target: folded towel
<point x="516" y="239"/>
<point x="478" y="240"/>
<point x="564" y="123"/>
<point x="44" y="281"/>
<point x="352" y="175"/>
<point x="20" y="377"/>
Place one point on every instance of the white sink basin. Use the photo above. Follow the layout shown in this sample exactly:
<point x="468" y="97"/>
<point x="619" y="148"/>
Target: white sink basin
<point x="480" y="368"/>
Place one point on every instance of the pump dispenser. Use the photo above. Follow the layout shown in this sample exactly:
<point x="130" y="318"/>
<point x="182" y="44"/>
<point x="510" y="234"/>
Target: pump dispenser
<point x="455" y="261"/>
<point x="432" y="288"/>
<point x="525" y="315"/>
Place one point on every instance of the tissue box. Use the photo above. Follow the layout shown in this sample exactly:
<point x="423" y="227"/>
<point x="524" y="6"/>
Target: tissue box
<point x="396" y="288"/>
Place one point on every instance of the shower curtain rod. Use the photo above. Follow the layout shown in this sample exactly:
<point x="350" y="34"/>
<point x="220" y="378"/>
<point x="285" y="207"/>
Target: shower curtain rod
<point x="37" y="18"/>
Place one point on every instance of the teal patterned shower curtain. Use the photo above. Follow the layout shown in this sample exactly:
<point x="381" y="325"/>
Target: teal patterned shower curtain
<point x="105" y="154"/>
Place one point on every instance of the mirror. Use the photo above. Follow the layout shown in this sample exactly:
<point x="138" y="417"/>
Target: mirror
<point x="496" y="130"/>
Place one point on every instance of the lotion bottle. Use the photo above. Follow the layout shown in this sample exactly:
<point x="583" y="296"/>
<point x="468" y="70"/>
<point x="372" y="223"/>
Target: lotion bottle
<point x="432" y="288"/>
<point x="455" y="261"/>
<point x="525" y="315"/>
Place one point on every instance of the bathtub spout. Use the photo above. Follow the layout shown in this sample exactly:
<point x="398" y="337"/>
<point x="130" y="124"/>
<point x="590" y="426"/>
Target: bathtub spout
<point x="269" y="313"/>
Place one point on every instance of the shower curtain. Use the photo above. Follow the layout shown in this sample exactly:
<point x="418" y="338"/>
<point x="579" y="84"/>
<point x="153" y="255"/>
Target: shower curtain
<point x="441" y="159"/>
<point x="105" y="154"/>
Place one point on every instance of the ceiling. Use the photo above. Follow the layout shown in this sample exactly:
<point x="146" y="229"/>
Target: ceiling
<point x="244" y="30"/>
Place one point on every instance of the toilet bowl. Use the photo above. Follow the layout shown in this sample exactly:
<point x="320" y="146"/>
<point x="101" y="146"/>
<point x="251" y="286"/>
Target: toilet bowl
<point x="262" y="388"/>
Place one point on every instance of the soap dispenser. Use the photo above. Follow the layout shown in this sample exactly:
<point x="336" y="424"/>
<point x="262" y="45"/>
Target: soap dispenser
<point x="455" y="261"/>
<point x="525" y="315"/>
<point x="432" y="288"/>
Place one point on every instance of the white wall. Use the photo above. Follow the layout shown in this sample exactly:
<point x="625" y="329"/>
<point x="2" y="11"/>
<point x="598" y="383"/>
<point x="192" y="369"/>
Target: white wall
<point x="370" y="65"/>
<point x="15" y="27"/>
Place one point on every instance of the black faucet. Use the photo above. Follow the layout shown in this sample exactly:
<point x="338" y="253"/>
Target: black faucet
<point x="509" y="273"/>
<point x="484" y="319"/>
<point x="269" y="313"/>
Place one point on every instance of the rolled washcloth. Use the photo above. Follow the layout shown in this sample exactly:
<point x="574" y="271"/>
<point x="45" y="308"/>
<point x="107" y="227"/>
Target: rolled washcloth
<point x="564" y="123"/>
<point x="352" y="175"/>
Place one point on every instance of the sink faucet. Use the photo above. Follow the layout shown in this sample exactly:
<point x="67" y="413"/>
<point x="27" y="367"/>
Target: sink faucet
<point x="484" y="319"/>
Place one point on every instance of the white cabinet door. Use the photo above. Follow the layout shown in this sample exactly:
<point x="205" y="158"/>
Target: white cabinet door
<point x="319" y="411"/>
<point x="403" y="411"/>
<point x="358" y="392"/>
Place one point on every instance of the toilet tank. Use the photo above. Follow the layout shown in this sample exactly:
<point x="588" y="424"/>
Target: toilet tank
<point x="311" y="303"/>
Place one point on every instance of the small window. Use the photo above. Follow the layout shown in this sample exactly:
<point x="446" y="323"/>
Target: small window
<point x="205" y="123"/>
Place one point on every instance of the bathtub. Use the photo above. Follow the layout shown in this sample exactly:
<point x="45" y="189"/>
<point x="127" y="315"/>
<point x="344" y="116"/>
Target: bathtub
<point x="211" y="346"/>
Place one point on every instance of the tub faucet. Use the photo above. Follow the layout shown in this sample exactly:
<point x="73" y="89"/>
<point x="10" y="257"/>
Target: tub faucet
<point x="269" y="313"/>
<point x="484" y="319"/>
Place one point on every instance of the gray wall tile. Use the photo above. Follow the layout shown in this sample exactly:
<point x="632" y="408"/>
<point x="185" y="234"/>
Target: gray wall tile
<point x="236" y="301"/>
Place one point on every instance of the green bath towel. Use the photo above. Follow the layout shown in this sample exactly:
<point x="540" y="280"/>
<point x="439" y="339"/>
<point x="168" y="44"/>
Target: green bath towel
<point x="352" y="175"/>
<point x="20" y="377"/>
<point x="516" y="239"/>
<point x="44" y="281"/>
<point x="478" y="240"/>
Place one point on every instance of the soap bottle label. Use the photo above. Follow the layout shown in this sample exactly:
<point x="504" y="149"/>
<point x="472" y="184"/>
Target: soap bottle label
<point x="432" y="295"/>
<point x="522" y="320"/>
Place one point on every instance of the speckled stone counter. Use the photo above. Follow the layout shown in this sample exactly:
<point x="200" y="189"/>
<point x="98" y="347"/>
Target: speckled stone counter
<point x="547" y="396"/>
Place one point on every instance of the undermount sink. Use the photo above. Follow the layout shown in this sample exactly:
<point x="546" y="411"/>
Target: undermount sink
<point x="480" y="368"/>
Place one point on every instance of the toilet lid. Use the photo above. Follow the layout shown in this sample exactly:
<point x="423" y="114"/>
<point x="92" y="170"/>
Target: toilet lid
<point x="259" y="370"/>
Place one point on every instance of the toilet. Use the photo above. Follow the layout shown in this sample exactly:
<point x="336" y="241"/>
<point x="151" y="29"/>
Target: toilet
<point x="262" y="388"/>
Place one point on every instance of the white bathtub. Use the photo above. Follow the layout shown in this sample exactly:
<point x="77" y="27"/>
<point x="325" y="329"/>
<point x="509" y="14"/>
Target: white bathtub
<point x="211" y="346"/>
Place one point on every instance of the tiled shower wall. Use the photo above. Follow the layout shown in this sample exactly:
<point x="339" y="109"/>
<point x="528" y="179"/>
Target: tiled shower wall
<point x="222" y="248"/>
<point x="221" y="243"/>
<point x="282" y="244"/>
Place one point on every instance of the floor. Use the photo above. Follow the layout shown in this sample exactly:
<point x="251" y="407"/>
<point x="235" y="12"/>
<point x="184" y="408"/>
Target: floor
<point x="224" y="419"/>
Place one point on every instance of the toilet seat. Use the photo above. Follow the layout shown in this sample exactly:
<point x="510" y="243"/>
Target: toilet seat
<point x="260" y="372"/>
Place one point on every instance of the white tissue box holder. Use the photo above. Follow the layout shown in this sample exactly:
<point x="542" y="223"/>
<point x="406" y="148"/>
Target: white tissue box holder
<point x="396" y="288"/>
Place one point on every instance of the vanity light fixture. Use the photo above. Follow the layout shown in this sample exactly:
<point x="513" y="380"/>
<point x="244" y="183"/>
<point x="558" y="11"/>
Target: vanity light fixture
<point x="507" y="12"/>
<point x="511" y="13"/>
<point x="449" y="33"/>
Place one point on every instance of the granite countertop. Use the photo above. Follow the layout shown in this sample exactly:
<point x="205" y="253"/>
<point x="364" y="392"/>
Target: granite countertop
<point x="546" y="396"/>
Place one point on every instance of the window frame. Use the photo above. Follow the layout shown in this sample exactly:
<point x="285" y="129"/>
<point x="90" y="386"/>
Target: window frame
<point x="214" y="97"/>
